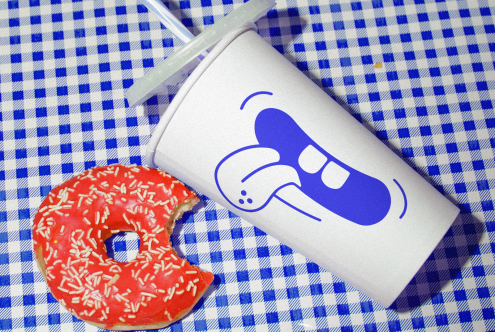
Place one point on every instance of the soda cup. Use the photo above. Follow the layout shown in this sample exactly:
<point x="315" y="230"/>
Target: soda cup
<point x="256" y="135"/>
<point x="252" y="132"/>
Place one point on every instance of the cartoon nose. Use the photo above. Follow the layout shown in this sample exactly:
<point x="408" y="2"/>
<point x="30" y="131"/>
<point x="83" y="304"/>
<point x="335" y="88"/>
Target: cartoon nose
<point x="248" y="178"/>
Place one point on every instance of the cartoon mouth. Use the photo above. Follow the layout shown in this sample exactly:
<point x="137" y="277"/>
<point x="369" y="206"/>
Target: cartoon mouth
<point x="286" y="156"/>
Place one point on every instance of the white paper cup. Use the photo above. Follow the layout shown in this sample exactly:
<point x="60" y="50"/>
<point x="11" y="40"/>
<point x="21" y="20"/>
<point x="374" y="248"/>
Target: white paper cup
<point x="252" y="132"/>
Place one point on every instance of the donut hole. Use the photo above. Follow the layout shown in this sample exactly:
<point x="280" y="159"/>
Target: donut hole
<point x="123" y="247"/>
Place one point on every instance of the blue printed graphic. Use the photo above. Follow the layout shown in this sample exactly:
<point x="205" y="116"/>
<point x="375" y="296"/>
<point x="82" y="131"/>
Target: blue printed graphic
<point x="253" y="95"/>
<point x="405" y="198"/>
<point x="250" y="177"/>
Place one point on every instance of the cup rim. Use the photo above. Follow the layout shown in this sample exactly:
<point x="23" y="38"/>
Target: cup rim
<point x="186" y="87"/>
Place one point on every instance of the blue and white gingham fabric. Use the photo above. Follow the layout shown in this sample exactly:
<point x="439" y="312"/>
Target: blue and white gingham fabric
<point x="418" y="73"/>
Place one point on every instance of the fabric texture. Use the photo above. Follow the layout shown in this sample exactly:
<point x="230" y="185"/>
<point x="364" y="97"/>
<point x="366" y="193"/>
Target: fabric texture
<point x="418" y="74"/>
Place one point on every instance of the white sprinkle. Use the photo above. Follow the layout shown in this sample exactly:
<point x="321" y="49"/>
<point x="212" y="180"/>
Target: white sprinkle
<point x="123" y="298"/>
<point x="171" y="292"/>
<point x="72" y="285"/>
<point x="148" y="294"/>
<point x="93" y="242"/>
<point x="114" y="279"/>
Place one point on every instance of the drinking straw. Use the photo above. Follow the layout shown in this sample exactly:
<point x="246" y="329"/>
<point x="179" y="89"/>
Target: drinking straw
<point x="168" y="19"/>
<point x="178" y="65"/>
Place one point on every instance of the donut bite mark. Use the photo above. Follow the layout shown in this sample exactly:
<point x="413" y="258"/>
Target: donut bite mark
<point x="151" y="291"/>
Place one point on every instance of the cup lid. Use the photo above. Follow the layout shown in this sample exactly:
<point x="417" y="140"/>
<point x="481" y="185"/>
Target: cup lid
<point x="179" y="65"/>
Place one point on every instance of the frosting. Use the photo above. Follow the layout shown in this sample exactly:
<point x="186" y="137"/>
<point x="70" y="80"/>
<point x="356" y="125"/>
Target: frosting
<point x="69" y="232"/>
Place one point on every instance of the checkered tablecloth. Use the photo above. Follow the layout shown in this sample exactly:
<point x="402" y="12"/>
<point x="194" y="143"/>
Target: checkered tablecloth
<point x="418" y="73"/>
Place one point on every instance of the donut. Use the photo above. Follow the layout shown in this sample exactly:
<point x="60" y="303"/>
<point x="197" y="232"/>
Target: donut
<point x="151" y="291"/>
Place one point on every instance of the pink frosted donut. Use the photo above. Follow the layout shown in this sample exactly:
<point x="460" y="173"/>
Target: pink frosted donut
<point x="153" y="290"/>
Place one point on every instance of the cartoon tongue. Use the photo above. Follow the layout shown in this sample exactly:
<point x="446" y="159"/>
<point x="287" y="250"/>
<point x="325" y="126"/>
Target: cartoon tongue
<point x="250" y="177"/>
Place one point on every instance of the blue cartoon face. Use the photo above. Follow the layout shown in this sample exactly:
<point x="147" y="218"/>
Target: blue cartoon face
<point x="250" y="177"/>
